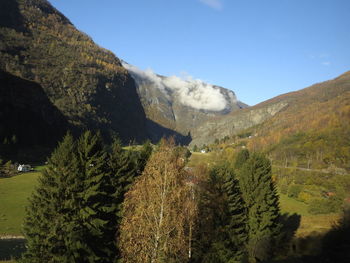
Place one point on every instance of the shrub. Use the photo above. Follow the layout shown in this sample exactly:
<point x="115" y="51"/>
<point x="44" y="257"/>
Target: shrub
<point x="322" y="206"/>
<point x="305" y="197"/>
<point x="294" y="190"/>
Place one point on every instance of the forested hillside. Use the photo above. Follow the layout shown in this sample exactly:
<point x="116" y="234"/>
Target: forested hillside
<point x="85" y="83"/>
<point x="313" y="131"/>
<point x="308" y="128"/>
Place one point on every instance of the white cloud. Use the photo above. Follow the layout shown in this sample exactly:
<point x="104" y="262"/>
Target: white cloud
<point x="215" y="4"/>
<point x="326" y="63"/>
<point x="191" y="92"/>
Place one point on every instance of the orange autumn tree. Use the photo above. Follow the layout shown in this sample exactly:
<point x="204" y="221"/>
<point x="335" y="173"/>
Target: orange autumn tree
<point x="159" y="211"/>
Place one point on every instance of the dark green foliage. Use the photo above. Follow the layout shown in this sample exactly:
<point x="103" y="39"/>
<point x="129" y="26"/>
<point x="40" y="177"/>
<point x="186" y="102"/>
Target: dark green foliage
<point x="261" y="200"/>
<point x="144" y="155"/>
<point x="48" y="206"/>
<point x="72" y="215"/>
<point x="294" y="190"/>
<point x="241" y="158"/>
<point x="7" y="169"/>
<point x="237" y="217"/>
<point x="96" y="221"/>
<point x="124" y="169"/>
<point x="223" y="231"/>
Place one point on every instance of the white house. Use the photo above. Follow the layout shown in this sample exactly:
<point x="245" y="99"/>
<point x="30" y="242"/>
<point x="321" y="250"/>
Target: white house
<point x="24" y="168"/>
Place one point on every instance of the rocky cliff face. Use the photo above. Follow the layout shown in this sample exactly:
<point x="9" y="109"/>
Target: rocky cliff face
<point x="319" y="111"/>
<point x="234" y="123"/>
<point x="181" y="105"/>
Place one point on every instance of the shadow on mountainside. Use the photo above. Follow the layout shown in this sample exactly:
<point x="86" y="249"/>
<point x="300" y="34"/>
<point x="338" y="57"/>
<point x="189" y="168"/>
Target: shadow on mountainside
<point x="10" y="15"/>
<point x="156" y="132"/>
<point x="28" y="118"/>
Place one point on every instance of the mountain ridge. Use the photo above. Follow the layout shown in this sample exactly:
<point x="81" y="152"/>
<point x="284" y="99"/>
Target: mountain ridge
<point x="85" y="82"/>
<point x="181" y="104"/>
<point x="84" y="86"/>
<point x="295" y="100"/>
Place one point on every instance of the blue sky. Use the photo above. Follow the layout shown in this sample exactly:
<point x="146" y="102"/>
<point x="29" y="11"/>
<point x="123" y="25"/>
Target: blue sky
<point x="257" y="48"/>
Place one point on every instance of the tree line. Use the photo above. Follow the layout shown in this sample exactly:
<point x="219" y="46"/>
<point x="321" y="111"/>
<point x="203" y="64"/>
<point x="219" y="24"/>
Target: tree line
<point x="105" y="204"/>
<point x="94" y="205"/>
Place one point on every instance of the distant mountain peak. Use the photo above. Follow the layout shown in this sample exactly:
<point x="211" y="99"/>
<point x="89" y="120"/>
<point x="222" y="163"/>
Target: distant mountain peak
<point x="181" y="104"/>
<point x="190" y="92"/>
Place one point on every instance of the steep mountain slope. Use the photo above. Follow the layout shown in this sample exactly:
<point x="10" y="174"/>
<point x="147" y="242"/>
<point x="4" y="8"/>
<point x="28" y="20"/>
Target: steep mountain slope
<point x="235" y="122"/>
<point x="314" y="130"/>
<point x="85" y="83"/>
<point x="181" y="105"/>
<point x="310" y="127"/>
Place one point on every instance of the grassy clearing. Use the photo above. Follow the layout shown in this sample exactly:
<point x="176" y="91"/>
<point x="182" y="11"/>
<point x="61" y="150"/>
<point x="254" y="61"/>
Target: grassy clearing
<point x="316" y="224"/>
<point x="309" y="223"/>
<point x="201" y="159"/>
<point x="14" y="193"/>
<point x="290" y="205"/>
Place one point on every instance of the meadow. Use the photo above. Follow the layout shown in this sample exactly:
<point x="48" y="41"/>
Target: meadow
<point x="14" y="194"/>
<point x="309" y="224"/>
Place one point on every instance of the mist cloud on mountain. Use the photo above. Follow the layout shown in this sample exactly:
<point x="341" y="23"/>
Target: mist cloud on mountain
<point x="191" y="92"/>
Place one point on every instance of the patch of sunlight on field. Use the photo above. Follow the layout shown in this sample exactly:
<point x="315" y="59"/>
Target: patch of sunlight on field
<point x="309" y="223"/>
<point x="14" y="193"/>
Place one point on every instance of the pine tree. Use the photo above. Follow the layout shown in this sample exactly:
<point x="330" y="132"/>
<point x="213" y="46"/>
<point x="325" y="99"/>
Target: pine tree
<point x="93" y="230"/>
<point x="72" y="214"/>
<point x="43" y="227"/>
<point x="241" y="158"/>
<point x="124" y="169"/>
<point x="260" y="196"/>
<point x="125" y="166"/>
<point x="227" y="217"/>
<point x="237" y="217"/>
<point x="144" y="155"/>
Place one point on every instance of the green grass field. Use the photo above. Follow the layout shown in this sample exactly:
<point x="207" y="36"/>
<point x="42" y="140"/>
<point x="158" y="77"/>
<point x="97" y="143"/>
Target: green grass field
<point x="290" y="205"/>
<point x="201" y="159"/>
<point x="309" y="223"/>
<point x="14" y="193"/>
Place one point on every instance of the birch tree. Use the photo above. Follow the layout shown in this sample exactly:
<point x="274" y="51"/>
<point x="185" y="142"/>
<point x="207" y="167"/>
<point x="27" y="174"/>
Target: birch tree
<point x="157" y="221"/>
